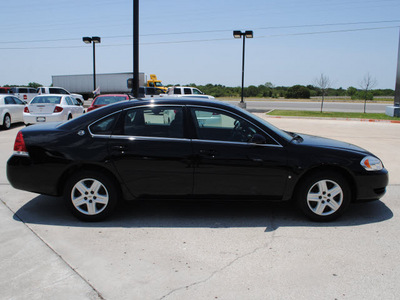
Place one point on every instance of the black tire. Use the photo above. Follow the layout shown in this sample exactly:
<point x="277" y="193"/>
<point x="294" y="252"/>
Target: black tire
<point x="7" y="121"/>
<point x="91" y="196"/>
<point x="323" y="196"/>
<point x="69" y="117"/>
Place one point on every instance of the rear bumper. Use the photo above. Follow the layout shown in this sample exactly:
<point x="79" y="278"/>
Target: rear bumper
<point x="371" y="186"/>
<point x="34" y="118"/>
<point x="24" y="175"/>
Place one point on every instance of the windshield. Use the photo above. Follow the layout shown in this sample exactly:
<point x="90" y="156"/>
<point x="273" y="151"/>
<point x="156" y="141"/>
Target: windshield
<point x="158" y="83"/>
<point x="46" y="100"/>
<point x="278" y="131"/>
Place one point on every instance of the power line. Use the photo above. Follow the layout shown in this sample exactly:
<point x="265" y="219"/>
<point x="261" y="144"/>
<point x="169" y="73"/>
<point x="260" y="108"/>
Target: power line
<point x="206" y="40"/>
<point x="213" y="31"/>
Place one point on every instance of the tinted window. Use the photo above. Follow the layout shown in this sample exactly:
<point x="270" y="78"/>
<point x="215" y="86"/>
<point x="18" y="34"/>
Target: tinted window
<point x="46" y="99"/>
<point x="9" y="100"/>
<point x="23" y="90"/>
<point x="154" y="122"/>
<point x="197" y="92"/>
<point x="31" y="91"/>
<point x="17" y="101"/>
<point x="104" y="126"/>
<point x="177" y="91"/>
<point x="220" y="126"/>
<point x="187" y="91"/>
<point x="57" y="91"/>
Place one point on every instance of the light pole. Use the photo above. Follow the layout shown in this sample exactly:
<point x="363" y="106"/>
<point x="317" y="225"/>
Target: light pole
<point x="237" y="34"/>
<point x="94" y="40"/>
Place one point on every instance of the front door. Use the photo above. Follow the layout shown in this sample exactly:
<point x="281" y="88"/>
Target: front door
<point x="229" y="162"/>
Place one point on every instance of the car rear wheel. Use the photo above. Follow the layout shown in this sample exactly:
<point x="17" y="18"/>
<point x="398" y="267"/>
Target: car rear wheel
<point x="324" y="196"/>
<point x="91" y="196"/>
<point x="7" y="122"/>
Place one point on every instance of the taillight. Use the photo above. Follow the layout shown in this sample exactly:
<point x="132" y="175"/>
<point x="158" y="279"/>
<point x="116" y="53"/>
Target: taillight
<point x="26" y="110"/>
<point x="58" y="109"/>
<point x="25" y="97"/>
<point x="19" y="145"/>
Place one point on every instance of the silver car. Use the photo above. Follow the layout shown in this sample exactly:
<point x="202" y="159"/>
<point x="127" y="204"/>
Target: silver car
<point x="52" y="108"/>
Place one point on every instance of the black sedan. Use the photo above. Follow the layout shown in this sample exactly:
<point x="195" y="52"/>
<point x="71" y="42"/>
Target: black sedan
<point x="189" y="149"/>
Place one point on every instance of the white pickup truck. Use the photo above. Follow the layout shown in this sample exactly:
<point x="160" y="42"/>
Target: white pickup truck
<point x="185" y="91"/>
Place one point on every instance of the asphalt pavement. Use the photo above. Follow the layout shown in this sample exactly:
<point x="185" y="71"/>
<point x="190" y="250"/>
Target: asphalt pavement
<point x="206" y="250"/>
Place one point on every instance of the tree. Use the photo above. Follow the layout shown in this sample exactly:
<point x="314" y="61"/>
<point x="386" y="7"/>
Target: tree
<point x="298" y="91"/>
<point x="367" y="84"/>
<point x="323" y="83"/>
<point x="34" y="85"/>
<point x="351" y="91"/>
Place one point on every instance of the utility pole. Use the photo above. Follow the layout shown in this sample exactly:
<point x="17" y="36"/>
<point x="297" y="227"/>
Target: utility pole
<point x="135" y="85"/>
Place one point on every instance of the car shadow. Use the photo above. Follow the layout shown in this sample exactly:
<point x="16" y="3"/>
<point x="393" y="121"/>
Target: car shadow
<point x="48" y="210"/>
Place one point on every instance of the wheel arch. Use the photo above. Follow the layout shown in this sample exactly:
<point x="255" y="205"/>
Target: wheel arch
<point x="328" y="168"/>
<point x="87" y="167"/>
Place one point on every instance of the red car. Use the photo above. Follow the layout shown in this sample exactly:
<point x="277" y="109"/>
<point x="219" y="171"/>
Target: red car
<point x="103" y="100"/>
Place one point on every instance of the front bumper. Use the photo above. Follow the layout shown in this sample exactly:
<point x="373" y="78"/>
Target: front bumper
<point x="371" y="186"/>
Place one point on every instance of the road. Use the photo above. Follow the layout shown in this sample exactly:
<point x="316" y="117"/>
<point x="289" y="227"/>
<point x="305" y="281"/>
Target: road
<point x="265" y="105"/>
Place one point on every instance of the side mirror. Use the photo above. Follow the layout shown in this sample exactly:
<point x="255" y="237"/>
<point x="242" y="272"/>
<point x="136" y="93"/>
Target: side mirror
<point x="258" y="139"/>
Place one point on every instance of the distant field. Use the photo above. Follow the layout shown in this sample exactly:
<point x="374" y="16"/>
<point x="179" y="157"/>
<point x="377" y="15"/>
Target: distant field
<point x="312" y="99"/>
<point x="343" y="115"/>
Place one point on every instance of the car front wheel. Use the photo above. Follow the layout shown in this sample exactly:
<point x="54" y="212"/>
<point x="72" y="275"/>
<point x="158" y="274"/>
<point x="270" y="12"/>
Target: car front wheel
<point x="91" y="196"/>
<point x="324" y="196"/>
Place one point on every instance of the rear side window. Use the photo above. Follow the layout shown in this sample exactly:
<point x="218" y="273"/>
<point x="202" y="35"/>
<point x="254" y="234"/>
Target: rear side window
<point x="177" y="91"/>
<point x="104" y="126"/>
<point x="9" y="100"/>
<point x="154" y="122"/>
<point x="187" y="91"/>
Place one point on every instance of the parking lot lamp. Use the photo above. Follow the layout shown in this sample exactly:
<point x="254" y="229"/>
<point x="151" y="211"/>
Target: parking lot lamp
<point x="237" y="34"/>
<point x="93" y="40"/>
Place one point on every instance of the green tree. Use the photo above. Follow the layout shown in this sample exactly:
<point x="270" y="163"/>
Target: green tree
<point x="298" y="91"/>
<point x="34" y="85"/>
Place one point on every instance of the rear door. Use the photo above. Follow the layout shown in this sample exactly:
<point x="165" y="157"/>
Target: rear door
<point x="151" y="151"/>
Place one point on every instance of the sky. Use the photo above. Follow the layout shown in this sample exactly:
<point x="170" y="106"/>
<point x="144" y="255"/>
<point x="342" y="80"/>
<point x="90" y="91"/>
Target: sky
<point x="191" y="41"/>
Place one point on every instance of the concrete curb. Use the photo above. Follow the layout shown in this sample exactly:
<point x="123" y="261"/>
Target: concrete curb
<point x="340" y="119"/>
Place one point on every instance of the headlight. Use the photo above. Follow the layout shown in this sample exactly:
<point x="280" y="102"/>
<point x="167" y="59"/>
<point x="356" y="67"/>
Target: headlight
<point x="371" y="163"/>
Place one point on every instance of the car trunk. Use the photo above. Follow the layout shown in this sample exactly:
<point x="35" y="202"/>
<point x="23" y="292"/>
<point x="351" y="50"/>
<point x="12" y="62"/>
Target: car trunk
<point x="41" y="108"/>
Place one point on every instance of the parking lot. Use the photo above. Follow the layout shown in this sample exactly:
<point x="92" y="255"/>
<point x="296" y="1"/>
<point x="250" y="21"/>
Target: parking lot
<point x="206" y="250"/>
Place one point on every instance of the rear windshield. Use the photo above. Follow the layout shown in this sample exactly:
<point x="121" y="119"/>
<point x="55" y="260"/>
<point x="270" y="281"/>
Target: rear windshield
<point x="46" y="99"/>
<point x="104" y="100"/>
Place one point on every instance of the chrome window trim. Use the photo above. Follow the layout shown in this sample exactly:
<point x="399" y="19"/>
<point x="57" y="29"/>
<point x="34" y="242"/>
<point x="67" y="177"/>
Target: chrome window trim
<point x="147" y="138"/>
<point x="232" y="113"/>
<point x="235" y="143"/>
<point x="101" y="135"/>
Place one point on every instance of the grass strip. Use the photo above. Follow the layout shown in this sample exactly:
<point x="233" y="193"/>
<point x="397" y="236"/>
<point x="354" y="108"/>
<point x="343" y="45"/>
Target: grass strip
<point x="344" y="115"/>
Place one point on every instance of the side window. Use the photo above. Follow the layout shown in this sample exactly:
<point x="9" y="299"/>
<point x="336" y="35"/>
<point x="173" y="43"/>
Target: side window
<point x="187" y="91"/>
<point x="220" y="126"/>
<point x="17" y="101"/>
<point x="23" y="90"/>
<point x="197" y="92"/>
<point x="74" y="101"/>
<point x="9" y="100"/>
<point x="154" y="122"/>
<point x="177" y="91"/>
<point x="69" y="101"/>
<point x="104" y="126"/>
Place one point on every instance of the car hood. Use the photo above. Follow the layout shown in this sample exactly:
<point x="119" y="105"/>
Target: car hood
<point x="321" y="142"/>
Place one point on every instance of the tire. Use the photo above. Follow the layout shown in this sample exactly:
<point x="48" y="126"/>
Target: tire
<point x="91" y="196"/>
<point x="69" y="117"/>
<point x="7" y="122"/>
<point x="324" y="196"/>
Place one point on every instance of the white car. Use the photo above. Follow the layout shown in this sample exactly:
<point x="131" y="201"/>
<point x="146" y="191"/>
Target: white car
<point x="59" y="91"/>
<point x="52" y="108"/>
<point x="11" y="110"/>
<point x="185" y="91"/>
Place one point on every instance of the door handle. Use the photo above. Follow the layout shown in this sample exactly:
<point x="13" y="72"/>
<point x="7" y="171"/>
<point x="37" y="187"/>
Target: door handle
<point x="119" y="148"/>
<point x="211" y="153"/>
